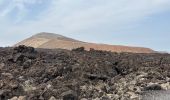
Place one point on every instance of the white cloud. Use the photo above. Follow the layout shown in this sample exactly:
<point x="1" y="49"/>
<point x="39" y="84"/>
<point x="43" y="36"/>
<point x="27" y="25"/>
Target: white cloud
<point x="21" y="4"/>
<point x="27" y="1"/>
<point x="82" y="16"/>
<point x="70" y="16"/>
<point x="19" y="7"/>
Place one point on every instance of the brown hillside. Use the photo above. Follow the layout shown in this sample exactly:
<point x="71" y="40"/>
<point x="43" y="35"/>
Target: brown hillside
<point x="53" y="41"/>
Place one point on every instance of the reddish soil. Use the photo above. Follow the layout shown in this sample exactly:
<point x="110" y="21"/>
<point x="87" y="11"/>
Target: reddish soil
<point x="53" y="41"/>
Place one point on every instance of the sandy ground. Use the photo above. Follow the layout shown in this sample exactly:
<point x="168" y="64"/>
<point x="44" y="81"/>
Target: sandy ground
<point x="157" y="95"/>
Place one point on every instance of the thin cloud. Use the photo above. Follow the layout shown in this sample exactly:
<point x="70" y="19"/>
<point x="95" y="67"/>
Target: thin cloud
<point x="18" y="7"/>
<point x="66" y="16"/>
<point x="82" y="16"/>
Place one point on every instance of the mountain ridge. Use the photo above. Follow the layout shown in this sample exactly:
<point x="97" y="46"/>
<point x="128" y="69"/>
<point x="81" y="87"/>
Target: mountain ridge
<point x="53" y="41"/>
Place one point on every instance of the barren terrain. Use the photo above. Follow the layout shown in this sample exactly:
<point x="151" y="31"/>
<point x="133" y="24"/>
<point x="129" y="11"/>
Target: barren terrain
<point x="53" y="41"/>
<point x="42" y="74"/>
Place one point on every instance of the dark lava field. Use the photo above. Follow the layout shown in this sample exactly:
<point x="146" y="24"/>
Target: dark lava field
<point x="41" y="74"/>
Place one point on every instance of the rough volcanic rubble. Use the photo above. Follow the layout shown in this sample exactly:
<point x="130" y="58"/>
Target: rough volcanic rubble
<point x="41" y="74"/>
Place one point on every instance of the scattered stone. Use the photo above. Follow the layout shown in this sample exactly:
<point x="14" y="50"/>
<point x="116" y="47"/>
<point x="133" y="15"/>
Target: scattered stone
<point x="23" y="49"/>
<point x="52" y="98"/>
<point x="21" y="77"/>
<point x="80" y="49"/>
<point x="165" y="86"/>
<point x="4" y="94"/>
<point x="105" y="98"/>
<point x="110" y="95"/>
<point x="83" y="99"/>
<point x="22" y="98"/>
<point x="133" y="95"/>
<point x="27" y="86"/>
<point x="41" y="98"/>
<point x="14" y="98"/>
<point x="167" y="79"/>
<point x="27" y="64"/>
<point x="1" y="92"/>
<point x="13" y="85"/>
<point x="2" y="65"/>
<point x="18" y="57"/>
<point x="153" y="87"/>
<point x="69" y="95"/>
<point x="9" y="75"/>
<point x="97" y="99"/>
<point x="95" y="76"/>
<point x="49" y="86"/>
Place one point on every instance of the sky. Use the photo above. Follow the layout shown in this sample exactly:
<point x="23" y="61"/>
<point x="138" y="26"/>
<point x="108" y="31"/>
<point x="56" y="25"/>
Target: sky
<point x="142" y="23"/>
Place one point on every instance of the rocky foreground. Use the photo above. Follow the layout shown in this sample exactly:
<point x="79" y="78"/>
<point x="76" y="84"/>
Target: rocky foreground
<point x="40" y="74"/>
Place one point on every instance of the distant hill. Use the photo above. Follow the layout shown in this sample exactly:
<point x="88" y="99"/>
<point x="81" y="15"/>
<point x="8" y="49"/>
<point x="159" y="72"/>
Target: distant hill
<point x="53" y="41"/>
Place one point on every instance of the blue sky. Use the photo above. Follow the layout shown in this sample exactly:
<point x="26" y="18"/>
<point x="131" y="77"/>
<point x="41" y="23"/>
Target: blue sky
<point x="143" y="23"/>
